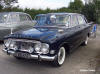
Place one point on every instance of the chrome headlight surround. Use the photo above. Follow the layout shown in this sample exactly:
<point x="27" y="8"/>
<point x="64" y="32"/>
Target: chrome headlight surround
<point x="7" y="43"/>
<point x="10" y="44"/>
<point x="45" y="48"/>
<point x="31" y="49"/>
<point x="37" y="47"/>
<point x="42" y="48"/>
<point x="13" y="45"/>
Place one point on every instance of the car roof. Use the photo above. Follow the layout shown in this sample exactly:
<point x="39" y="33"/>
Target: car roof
<point x="59" y="14"/>
<point x="13" y="12"/>
<point x="64" y="13"/>
<point x="40" y="14"/>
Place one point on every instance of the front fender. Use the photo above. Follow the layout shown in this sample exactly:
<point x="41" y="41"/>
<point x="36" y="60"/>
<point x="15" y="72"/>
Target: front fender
<point x="58" y="44"/>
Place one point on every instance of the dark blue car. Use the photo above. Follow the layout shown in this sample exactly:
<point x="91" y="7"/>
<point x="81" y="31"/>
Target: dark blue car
<point x="53" y="37"/>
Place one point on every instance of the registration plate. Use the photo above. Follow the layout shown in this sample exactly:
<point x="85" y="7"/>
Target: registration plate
<point x="23" y="55"/>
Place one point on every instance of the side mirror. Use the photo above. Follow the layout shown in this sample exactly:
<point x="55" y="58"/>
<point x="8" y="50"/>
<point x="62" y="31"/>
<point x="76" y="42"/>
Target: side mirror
<point x="91" y="23"/>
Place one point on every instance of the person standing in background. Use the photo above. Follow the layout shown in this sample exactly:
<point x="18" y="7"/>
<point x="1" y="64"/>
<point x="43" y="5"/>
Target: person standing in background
<point x="94" y="30"/>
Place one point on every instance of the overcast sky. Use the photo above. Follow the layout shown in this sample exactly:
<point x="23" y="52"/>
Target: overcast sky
<point x="43" y="4"/>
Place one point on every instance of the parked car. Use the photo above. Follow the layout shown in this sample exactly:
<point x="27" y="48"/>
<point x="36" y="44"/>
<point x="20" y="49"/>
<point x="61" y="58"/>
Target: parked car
<point x="53" y="37"/>
<point x="11" y="22"/>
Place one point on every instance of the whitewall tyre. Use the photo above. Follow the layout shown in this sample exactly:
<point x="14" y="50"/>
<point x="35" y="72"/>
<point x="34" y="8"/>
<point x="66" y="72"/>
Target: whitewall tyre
<point x="60" y="57"/>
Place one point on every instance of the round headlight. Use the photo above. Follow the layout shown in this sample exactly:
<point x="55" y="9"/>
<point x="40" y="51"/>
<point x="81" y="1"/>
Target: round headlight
<point x="13" y="45"/>
<point x="45" y="48"/>
<point x="38" y="47"/>
<point x="31" y="49"/>
<point x="7" y="42"/>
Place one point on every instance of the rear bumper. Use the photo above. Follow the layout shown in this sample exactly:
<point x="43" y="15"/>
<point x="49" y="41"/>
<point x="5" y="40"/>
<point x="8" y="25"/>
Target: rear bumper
<point x="39" y="56"/>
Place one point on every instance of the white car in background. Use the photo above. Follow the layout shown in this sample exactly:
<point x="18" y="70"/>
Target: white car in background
<point x="11" y="22"/>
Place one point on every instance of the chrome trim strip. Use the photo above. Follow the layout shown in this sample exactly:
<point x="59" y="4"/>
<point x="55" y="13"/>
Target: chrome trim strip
<point x="39" y="57"/>
<point x="11" y="52"/>
<point x="34" y="56"/>
<point x="25" y="40"/>
<point x="48" y="58"/>
<point x="5" y="51"/>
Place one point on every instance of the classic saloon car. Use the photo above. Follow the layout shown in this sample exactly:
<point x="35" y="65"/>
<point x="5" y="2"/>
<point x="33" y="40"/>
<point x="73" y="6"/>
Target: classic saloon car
<point x="11" y="22"/>
<point x="53" y="37"/>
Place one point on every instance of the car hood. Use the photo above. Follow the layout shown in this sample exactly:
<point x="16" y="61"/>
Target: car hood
<point x="42" y="34"/>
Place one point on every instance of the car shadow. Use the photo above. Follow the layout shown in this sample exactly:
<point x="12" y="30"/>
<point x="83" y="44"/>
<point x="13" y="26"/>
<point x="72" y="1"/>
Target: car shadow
<point x="1" y="42"/>
<point x="30" y="63"/>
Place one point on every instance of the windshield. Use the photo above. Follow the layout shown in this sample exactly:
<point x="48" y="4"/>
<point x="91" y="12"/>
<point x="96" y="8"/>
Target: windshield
<point x="52" y="20"/>
<point x="3" y="17"/>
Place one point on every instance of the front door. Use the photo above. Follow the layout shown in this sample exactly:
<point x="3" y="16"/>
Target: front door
<point x="76" y="33"/>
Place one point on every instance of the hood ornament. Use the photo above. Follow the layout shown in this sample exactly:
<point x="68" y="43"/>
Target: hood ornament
<point x="11" y="31"/>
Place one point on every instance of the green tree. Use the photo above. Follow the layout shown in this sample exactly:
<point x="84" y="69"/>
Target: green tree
<point x="97" y="9"/>
<point x="92" y="11"/>
<point x="89" y="11"/>
<point x="1" y="8"/>
<point x="8" y="3"/>
<point x="76" y="6"/>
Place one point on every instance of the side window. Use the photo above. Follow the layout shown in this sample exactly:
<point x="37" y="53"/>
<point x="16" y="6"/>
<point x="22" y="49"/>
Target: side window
<point x="23" y="17"/>
<point x="81" y="20"/>
<point x="13" y="18"/>
<point x="63" y="19"/>
<point x="74" y="21"/>
<point x="41" y="19"/>
<point x="29" y="18"/>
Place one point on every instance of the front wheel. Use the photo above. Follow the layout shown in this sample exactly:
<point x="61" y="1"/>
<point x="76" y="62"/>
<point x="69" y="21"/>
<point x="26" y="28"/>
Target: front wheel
<point x="60" y="57"/>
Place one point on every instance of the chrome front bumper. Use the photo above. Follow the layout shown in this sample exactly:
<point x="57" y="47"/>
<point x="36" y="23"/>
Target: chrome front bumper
<point x="39" y="57"/>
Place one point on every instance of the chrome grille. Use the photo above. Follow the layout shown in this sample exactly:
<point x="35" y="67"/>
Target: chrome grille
<point x="24" y="45"/>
